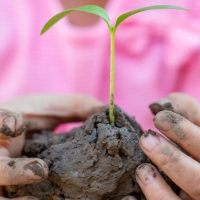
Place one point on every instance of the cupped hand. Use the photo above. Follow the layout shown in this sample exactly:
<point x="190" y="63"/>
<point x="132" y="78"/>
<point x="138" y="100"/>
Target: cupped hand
<point x="32" y="113"/>
<point x="182" y="164"/>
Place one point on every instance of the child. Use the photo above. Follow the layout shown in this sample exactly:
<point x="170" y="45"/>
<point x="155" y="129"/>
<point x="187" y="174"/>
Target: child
<point x="157" y="52"/>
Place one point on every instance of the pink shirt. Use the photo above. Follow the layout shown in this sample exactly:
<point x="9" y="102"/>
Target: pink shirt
<point x="157" y="52"/>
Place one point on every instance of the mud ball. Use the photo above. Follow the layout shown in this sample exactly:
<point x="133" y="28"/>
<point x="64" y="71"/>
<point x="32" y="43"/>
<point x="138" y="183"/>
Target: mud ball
<point x="94" y="162"/>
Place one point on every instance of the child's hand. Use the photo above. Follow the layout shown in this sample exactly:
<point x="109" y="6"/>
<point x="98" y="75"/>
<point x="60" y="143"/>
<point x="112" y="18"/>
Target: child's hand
<point x="182" y="168"/>
<point x="36" y="112"/>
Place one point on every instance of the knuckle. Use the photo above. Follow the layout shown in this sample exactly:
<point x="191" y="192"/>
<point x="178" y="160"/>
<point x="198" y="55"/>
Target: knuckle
<point x="194" y="189"/>
<point x="168" y="157"/>
<point x="163" y="197"/>
<point x="6" y="171"/>
<point x="189" y="136"/>
<point x="190" y="131"/>
<point x="160" y="195"/>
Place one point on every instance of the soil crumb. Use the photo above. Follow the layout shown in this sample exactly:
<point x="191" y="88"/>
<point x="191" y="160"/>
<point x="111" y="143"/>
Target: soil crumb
<point x="11" y="164"/>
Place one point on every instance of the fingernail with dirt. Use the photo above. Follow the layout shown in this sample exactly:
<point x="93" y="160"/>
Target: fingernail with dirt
<point x="21" y="130"/>
<point x="167" y="120"/>
<point x="6" y="131"/>
<point x="10" y="122"/>
<point x="35" y="171"/>
<point x="162" y="104"/>
<point x="149" y="141"/>
<point x="146" y="174"/>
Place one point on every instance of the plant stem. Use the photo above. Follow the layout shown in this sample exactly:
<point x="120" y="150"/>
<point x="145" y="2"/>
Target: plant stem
<point x="112" y="75"/>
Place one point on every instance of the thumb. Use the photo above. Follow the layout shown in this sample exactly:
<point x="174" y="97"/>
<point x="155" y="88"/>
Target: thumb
<point x="46" y="111"/>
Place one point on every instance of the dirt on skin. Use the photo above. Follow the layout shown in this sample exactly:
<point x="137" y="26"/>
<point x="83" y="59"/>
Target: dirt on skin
<point x="94" y="162"/>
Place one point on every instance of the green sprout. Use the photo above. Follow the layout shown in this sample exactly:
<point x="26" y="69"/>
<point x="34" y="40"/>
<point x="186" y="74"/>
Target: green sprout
<point x="96" y="10"/>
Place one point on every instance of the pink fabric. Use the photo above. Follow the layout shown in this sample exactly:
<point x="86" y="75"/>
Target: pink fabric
<point x="157" y="52"/>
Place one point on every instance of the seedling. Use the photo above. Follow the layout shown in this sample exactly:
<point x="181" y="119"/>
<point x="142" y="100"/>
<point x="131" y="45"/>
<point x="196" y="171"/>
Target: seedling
<point x="96" y="10"/>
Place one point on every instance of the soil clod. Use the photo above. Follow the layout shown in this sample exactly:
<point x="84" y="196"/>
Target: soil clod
<point x="94" y="162"/>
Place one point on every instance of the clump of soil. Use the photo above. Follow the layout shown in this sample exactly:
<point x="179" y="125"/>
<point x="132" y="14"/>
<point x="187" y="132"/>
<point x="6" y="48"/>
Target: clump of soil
<point x="94" y="162"/>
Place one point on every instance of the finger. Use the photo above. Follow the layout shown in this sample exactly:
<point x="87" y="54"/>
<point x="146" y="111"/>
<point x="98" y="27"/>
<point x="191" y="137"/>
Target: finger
<point x="12" y="147"/>
<point x="150" y="180"/>
<point x="22" y="171"/>
<point x="184" y="196"/>
<point x="181" y="131"/>
<point x="161" y="104"/>
<point x="181" y="169"/>
<point x="128" y="198"/>
<point x="11" y="124"/>
<point x="47" y="111"/>
<point x="179" y="103"/>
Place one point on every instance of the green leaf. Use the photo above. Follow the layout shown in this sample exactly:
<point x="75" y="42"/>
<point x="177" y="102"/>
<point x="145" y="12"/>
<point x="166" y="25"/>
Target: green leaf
<point x="122" y="17"/>
<point x="96" y="10"/>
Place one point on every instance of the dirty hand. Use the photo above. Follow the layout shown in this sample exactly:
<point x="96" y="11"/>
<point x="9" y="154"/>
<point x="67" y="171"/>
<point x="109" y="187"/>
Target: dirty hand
<point x="34" y="112"/>
<point x="182" y="167"/>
